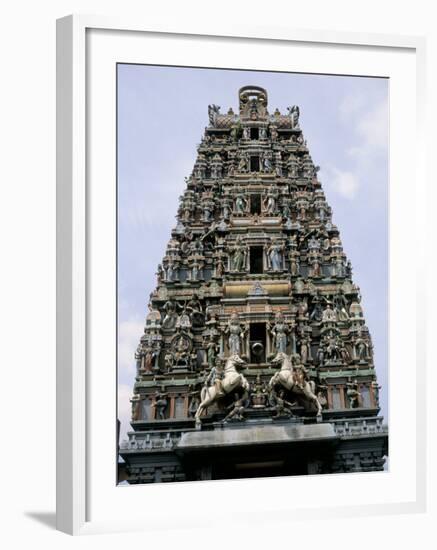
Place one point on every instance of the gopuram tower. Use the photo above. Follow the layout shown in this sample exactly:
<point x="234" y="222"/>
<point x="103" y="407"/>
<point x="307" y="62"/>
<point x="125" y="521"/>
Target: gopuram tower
<point x="255" y="359"/>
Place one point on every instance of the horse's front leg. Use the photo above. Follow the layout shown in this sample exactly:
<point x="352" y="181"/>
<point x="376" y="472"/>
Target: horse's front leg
<point x="198" y="422"/>
<point x="312" y="397"/>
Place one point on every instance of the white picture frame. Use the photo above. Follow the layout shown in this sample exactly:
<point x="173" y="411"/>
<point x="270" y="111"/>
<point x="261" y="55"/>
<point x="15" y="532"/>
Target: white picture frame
<point x="76" y="494"/>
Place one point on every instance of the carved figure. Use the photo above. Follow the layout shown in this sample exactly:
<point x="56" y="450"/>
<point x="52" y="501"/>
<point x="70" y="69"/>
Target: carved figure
<point x="294" y="265"/>
<point x="236" y="333"/>
<point x="274" y="254"/>
<point x="281" y="406"/>
<point x="219" y="268"/>
<point x="295" y="379"/>
<point x="267" y="163"/>
<point x="329" y="314"/>
<point x="305" y="349"/>
<point x="353" y="394"/>
<point x="375" y="387"/>
<point x="243" y="163"/>
<point x="240" y="204"/>
<point x="238" y="256"/>
<point x="160" y="403"/>
<point x="135" y="407"/>
<point x="279" y="333"/>
<point x="170" y="316"/>
<point x="341" y="306"/>
<point x="237" y="408"/>
<point x="168" y="361"/>
<point x="332" y="349"/>
<point x="213" y="111"/>
<point x="269" y="204"/>
<point x="232" y="379"/>
<point x="211" y="353"/>
<point x="361" y="349"/>
<point x="294" y="114"/>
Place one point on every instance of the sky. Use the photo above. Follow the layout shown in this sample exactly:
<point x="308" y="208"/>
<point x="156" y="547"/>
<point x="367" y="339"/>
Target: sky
<point x="162" y="113"/>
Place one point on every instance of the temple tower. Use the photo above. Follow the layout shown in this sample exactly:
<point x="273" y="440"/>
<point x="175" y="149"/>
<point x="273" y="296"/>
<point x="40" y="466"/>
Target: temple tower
<point x="256" y="316"/>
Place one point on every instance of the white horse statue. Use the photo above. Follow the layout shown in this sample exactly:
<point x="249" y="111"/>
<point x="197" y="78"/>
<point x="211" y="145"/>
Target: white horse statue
<point x="232" y="379"/>
<point x="293" y="379"/>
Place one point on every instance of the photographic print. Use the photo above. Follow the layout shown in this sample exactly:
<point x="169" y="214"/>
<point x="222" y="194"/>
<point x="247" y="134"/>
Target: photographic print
<point x="252" y="274"/>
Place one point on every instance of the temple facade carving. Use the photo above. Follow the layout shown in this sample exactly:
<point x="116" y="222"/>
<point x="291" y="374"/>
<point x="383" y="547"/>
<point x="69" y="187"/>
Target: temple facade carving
<point x="255" y="319"/>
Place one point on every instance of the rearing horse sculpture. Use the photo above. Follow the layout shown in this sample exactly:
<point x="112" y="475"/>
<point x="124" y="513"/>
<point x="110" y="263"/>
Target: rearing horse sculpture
<point x="294" y="380"/>
<point x="232" y="380"/>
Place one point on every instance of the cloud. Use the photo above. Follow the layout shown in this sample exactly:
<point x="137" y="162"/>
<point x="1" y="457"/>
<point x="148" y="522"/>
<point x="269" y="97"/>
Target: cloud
<point x="129" y="334"/>
<point x="346" y="184"/>
<point x="351" y="105"/>
<point x="369" y="119"/>
<point x="373" y="127"/>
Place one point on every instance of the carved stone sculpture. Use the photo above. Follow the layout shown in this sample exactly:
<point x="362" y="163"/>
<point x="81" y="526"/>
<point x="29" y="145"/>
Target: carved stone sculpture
<point x="235" y="332"/>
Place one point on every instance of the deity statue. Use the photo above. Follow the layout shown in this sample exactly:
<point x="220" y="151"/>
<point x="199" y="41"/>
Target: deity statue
<point x="238" y="255"/>
<point x="148" y="359"/>
<point x="236" y="334"/>
<point x="170" y="270"/>
<point x="279" y="333"/>
<point x="243" y="163"/>
<point x="168" y="360"/>
<point x="194" y="308"/>
<point x="353" y="394"/>
<point x="341" y="306"/>
<point x="170" y="316"/>
<point x="159" y="275"/>
<point x="361" y="348"/>
<point x="184" y="321"/>
<point x="160" y="403"/>
<point x="302" y="308"/>
<point x="281" y="406"/>
<point x="211" y="352"/>
<point x="237" y="407"/>
<point x="194" y="403"/>
<point x="338" y="268"/>
<point x="135" y="407"/>
<point x="275" y="255"/>
<point x="321" y="354"/>
<point x="207" y="211"/>
<point x="329" y="314"/>
<point x="226" y="206"/>
<point x="286" y="211"/>
<point x="317" y="313"/>
<point x="314" y="244"/>
<point x="294" y="265"/>
<point x="240" y="204"/>
<point x="259" y="393"/>
<point x="344" y="353"/>
<point x="213" y="111"/>
<point x="316" y="268"/>
<point x="375" y="387"/>
<point x="294" y="114"/>
<point x="219" y="268"/>
<point x="269" y="204"/>
<point x="267" y="163"/>
<point x="195" y="270"/>
<point x="332" y="349"/>
<point x="139" y="355"/>
<point x="215" y="373"/>
<point x="305" y="349"/>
